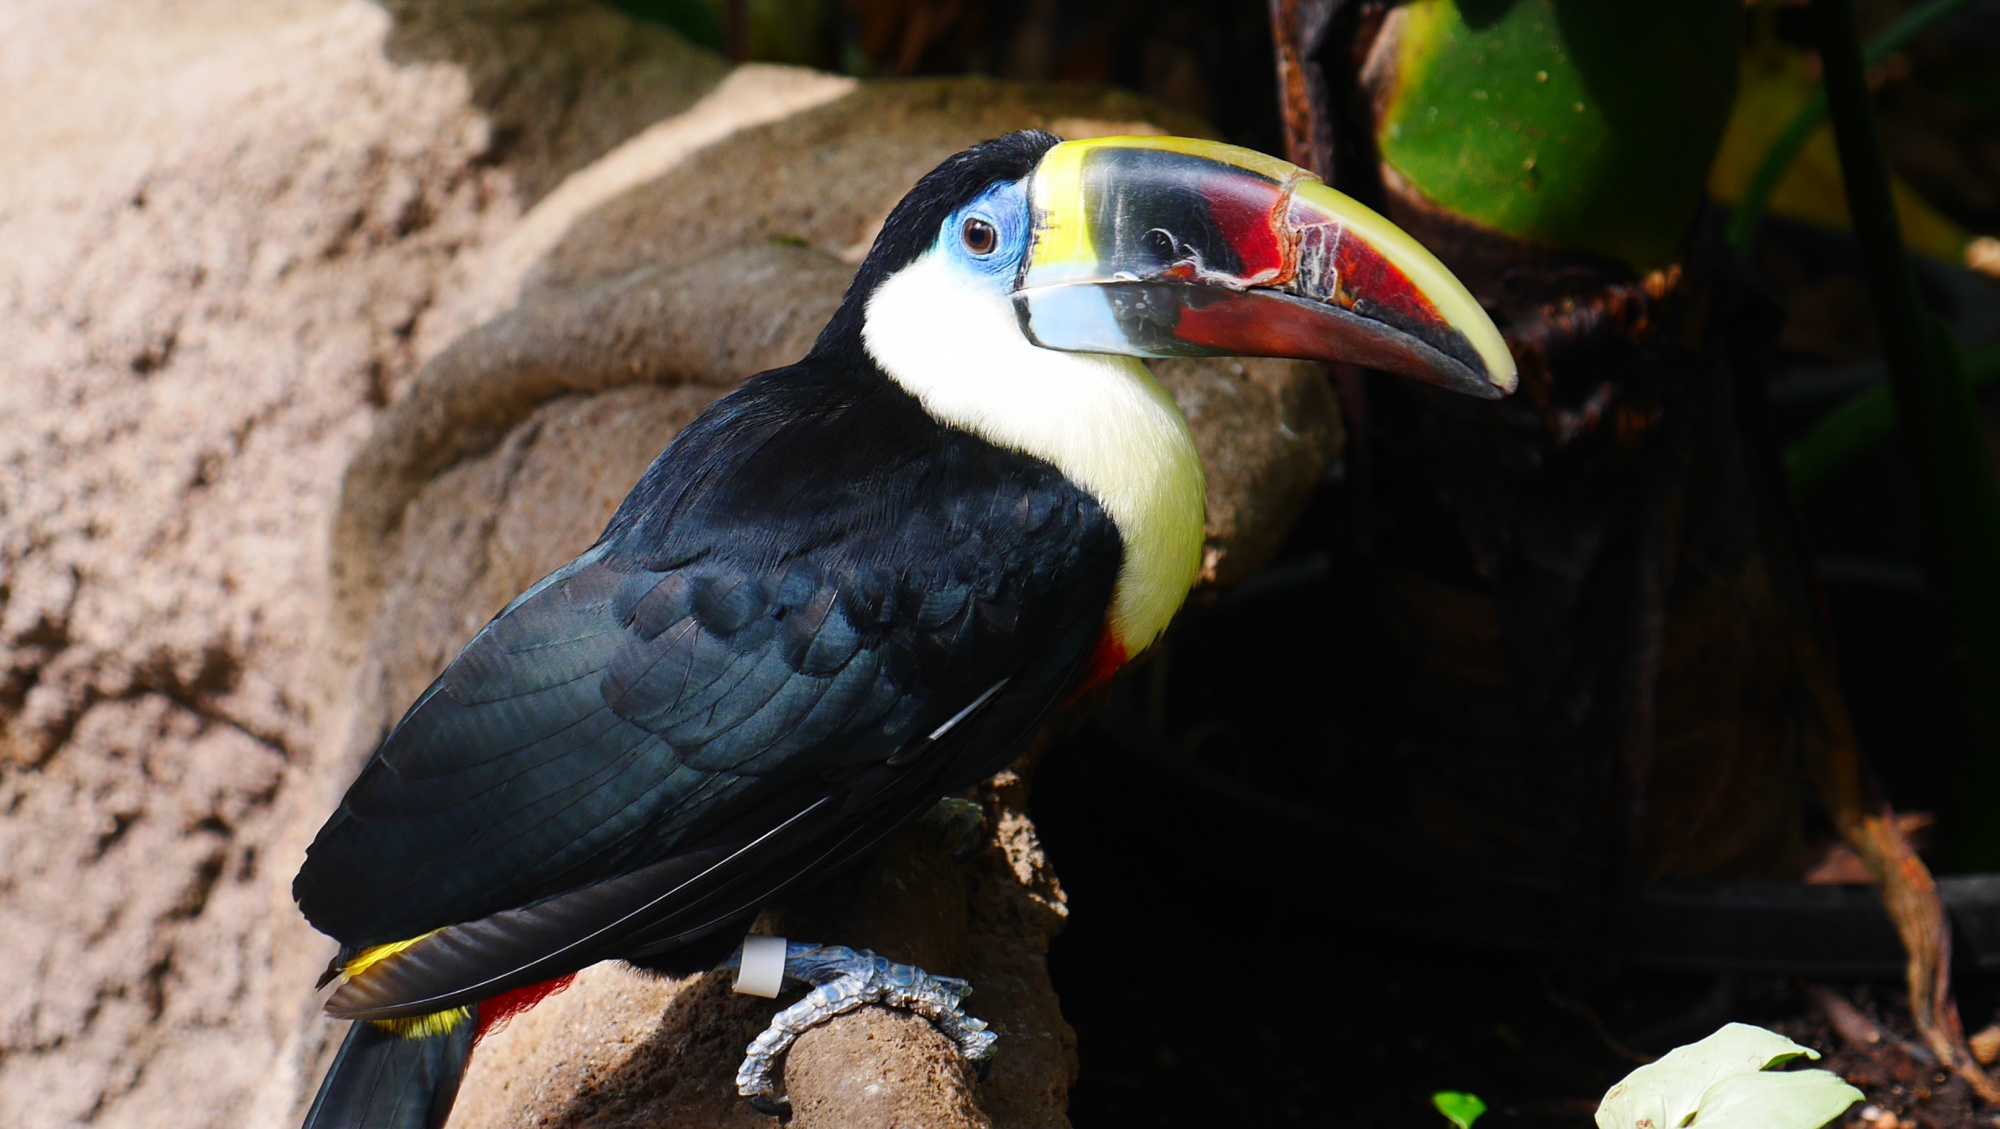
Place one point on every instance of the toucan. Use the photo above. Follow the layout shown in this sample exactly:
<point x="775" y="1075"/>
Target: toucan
<point x="852" y="586"/>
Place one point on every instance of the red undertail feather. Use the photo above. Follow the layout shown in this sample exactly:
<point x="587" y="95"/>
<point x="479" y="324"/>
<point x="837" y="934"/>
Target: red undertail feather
<point x="494" y="1013"/>
<point x="1104" y="662"/>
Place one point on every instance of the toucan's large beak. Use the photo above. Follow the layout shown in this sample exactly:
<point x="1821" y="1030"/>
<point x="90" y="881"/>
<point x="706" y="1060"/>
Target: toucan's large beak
<point x="1171" y="247"/>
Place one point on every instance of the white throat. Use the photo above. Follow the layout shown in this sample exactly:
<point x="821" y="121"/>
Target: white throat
<point x="1102" y="420"/>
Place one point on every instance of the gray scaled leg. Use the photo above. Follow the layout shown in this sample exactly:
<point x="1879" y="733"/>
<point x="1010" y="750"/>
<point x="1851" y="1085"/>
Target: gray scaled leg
<point x="844" y="979"/>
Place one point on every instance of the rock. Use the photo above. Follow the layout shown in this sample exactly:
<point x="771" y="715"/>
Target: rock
<point x="622" y="1048"/>
<point x="223" y="229"/>
<point x="824" y="177"/>
<point x="238" y="533"/>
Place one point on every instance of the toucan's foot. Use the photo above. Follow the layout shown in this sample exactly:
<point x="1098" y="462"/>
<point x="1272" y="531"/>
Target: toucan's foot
<point x="844" y="979"/>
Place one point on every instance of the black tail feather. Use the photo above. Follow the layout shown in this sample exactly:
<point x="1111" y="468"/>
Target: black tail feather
<point x="382" y="1080"/>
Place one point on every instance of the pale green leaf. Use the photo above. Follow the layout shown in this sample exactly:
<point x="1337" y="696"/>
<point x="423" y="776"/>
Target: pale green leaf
<point x="1797" y="1099"/>
<point x="1675" y="1091"/>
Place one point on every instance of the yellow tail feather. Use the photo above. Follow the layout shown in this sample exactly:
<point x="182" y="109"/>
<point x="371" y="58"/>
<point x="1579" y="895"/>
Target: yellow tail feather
<point x="426" y="1026"/>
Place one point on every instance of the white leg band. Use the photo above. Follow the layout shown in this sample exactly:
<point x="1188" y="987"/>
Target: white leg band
<point x="762" y="972"/>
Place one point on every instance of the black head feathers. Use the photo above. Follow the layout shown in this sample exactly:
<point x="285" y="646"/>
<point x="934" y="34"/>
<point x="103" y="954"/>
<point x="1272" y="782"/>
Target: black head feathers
<point x="913" y="223"/>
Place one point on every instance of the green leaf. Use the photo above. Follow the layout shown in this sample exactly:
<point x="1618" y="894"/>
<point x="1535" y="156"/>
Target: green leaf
<point x="1459" y="1109"/>
<point x="1725" y="1082"/>
<point x="1572" y="122"/>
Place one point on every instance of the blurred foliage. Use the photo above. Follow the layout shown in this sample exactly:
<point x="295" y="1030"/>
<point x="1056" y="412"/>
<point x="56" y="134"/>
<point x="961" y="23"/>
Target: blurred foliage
<point x="1210" y="58"/>
<point x="1944" y="446"/>
<point x="1786" y="119"/>
<point x="1865" y="421"/>
<point x="1213" y="58"/>
<point x="1780" y="82"/>
<point x="800" y="32"/>
<point x="697" y="20"/>
<point x="1545" y="119"/>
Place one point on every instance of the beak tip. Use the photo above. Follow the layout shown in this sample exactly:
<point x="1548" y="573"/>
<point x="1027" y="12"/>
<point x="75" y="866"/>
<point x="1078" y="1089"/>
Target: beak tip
<point x="1479" y="382"/>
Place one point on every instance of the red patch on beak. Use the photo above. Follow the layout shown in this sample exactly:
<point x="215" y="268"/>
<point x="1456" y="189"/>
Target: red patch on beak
<point x="1364" y="272"/>
<point x="1249" y="214"/>
<point x="1286" y="244"/>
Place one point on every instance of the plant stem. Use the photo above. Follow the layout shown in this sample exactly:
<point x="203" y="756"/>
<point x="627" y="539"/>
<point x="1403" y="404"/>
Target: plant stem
<point x="1742" y="232"/>
<point x="1297" y="28"/>
<point x="1943" y="442"/>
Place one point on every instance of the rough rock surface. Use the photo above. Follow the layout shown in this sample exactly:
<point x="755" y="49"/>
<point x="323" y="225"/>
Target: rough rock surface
<point x="229" y="237"/>
<point x="222" y="227"/>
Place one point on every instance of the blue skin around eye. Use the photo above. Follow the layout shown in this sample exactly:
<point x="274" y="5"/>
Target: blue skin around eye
<point x="1073" y="318"/>
<point x="1005" y="206"/>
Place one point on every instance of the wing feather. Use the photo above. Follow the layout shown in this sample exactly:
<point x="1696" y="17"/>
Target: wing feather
<point x="755" y="675"/>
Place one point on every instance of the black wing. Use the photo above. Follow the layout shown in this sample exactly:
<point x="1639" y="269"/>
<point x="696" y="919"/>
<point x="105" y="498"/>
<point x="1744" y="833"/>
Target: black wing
<point x="741" y="686"/>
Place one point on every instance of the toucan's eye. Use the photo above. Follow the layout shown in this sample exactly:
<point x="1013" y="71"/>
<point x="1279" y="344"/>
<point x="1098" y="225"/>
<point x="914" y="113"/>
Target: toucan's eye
<point x="979" y="236"/>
